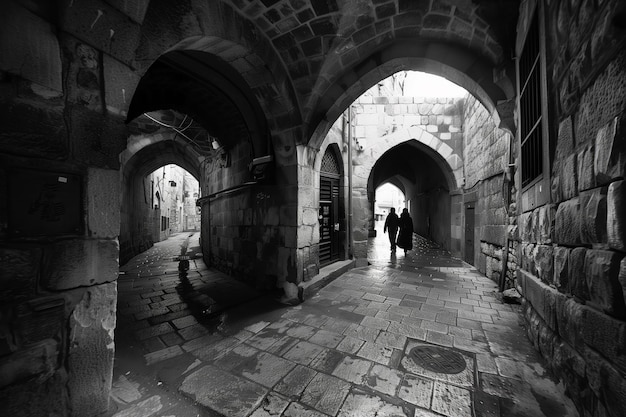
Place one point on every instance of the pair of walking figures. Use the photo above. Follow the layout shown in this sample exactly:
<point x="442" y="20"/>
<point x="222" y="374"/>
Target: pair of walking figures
<point x="403" y="224"/>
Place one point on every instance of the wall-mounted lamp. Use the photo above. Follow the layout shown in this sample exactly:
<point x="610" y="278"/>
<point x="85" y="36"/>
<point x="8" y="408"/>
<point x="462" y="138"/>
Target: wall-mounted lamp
<point x="220" y="153"/>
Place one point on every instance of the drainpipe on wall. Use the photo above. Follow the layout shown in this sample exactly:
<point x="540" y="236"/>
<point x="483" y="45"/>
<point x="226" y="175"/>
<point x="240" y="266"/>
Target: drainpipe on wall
<point x="507" y="181"/>
<point x="350" y="243"/>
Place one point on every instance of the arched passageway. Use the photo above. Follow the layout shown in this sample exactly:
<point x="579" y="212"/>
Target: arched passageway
<point x="138" y="211"/>
<point x="426" y="181"/>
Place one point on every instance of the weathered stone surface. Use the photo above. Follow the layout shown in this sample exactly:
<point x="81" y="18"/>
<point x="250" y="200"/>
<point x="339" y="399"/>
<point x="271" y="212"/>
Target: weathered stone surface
<point x="545" y="224"/>
<point x="567" y="223"/>
<point x="33" y="129"/>
<point x="586" y="177"/>
<point x="136" y="10"/>
<point x="564" y="168"/>
<point x="451" y="401"/>
<point x="36" y="397"/>
<point x="616" y="215"/>
<point x="98" y="139"/>
<point x="564" y="185"/>
<point x="29" y="47"/>
<point x="540" y="296"/>
<point x="102" y="26"/>
<point x="18" y="275"/>
<point x="621" y="277"/>
<point x="577" y="281"/>
<point x="605" y="334"/>
<point x="416" y="390"/>
<point x="75" y="263"/>
<point x="325" y="393"/>
<point x="103" y="201"/>
<point x="83" y="79"/>
<point x="607" y="383"/>
<point x="223" y="392"/>
<point x="37" y="360"/>
<point x="601" y="274"/>
<point x="148" y="407"/>
<point x="40" y="318"/>
<point x="91" y="350"/>
<point x="569" y="314"/>
<point x="359" y="402"/>
<point x="561" y="268"/>
<point x="608" y="153"/>
<point x="593" y="207"/>
<point x="544" y="262"/>
<point x="296" y="381"/>
<point x="526" y="227"/>
<point x="528" y="259"/>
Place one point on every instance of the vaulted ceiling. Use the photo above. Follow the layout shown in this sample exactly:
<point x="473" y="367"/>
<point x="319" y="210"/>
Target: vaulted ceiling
<point x="243" y="68"/>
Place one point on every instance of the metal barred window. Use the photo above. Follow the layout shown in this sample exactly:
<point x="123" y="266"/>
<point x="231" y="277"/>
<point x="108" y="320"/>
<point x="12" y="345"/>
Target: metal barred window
<point x="531" y="131"/>
<point x="330" y="165"/>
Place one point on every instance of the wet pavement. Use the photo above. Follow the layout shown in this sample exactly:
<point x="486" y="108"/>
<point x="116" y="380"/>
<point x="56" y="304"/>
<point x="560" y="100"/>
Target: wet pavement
<point x="418" y="335"/>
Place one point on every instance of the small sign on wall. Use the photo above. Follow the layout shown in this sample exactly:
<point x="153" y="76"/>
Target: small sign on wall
<point x="43" y="203"/>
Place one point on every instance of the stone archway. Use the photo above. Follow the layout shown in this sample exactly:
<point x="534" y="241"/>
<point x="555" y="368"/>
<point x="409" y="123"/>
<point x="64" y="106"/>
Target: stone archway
<point x="367" y="176"/>
<point x="144" y="154"/>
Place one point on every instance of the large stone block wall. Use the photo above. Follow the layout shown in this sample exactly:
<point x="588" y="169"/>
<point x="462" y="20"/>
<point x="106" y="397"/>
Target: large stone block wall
<point x="58" y="285"/>
<point x="573" y="249"/>
<point x="250" y="231"/>
<point x="376" y="117"/>
<point x="486" y="147"/>
<point x="488" y="184"/>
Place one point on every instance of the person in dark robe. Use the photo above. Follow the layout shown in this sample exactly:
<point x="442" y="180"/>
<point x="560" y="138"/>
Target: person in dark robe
<point x="391" y="224"/>
<point x="405" y="237"/>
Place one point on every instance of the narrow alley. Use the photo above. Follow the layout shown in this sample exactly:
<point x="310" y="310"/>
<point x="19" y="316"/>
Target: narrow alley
<point x="419" y="335"/>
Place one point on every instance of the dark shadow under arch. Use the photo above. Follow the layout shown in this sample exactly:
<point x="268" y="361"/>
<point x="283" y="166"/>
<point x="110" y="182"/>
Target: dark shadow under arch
<point x="210" y="91"/>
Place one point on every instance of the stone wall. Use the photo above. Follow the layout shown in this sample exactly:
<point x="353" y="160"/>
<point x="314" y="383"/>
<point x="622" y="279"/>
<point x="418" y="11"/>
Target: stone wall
<point x="58" y="249"/>
<point x="573" y="269"/>
<point x="248" y="228"/>
<point x="487" y="151"/>
<point x="380" y="116"/>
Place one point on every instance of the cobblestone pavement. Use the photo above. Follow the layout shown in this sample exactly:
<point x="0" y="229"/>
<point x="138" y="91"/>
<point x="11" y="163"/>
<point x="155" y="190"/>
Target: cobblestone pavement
<point x="417" y="335"/>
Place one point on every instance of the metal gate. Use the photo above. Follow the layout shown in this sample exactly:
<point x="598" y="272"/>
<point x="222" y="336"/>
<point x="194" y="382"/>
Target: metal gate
<point x="329" y="220"/>
<point x="469" y="233"/>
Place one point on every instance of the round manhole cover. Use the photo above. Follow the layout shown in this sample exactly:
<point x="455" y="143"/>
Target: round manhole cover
<point x="436" y="359"/>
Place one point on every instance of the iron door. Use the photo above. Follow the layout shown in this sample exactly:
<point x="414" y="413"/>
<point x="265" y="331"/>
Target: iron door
<point x="469" y="233"/>
<point x="329" y="220"/>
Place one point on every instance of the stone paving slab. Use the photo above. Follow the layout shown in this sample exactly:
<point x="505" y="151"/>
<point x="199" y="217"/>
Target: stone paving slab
<point x="221" y="391"/>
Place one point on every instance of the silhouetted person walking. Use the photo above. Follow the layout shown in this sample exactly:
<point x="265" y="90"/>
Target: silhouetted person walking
<point x="405" y="238"/>
<point x="391" y="223"/>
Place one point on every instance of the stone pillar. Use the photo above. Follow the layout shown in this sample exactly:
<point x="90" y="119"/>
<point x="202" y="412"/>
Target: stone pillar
<point x="91" y="350"/>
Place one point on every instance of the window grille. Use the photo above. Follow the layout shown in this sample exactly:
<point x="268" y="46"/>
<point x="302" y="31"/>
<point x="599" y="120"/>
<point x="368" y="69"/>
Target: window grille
<point x="330" y="165"/>
<point x="531" y="106"/>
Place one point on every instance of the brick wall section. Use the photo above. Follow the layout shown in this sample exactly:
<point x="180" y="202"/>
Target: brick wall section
<point x="573" y="249"/>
